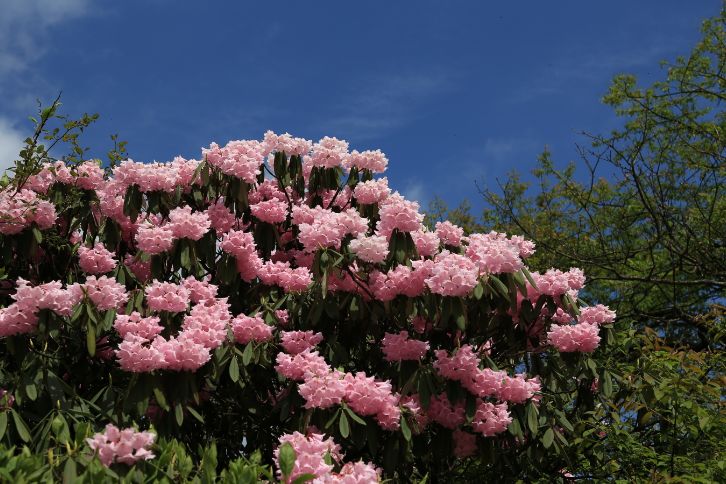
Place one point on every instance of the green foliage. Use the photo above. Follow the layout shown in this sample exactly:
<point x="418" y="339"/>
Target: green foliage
<point x="646" y="223"/>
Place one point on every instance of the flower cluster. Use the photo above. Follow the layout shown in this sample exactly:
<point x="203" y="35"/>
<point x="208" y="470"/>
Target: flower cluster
<point x="125" y="446"/>
<point x="317" y="455"/>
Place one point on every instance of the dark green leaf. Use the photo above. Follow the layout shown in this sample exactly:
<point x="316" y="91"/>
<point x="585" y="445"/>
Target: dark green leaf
<point x="234" y="369"/>
<point x="20" y="426"/>
<point x="344" y="426"/>
<point x="287" y="458"/>
<point x="548" y="438"/>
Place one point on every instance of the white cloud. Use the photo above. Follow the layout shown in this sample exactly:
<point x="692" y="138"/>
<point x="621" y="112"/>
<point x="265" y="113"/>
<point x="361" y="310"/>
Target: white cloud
<point x="416" y="191"/>
<point x="377" y="105"/>
<point x="11" y="140"/>
<point x="24" y="25"/>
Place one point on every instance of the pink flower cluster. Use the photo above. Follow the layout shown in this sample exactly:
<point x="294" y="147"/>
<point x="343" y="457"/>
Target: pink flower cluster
<point x="324" y="387"/>
<point x="167" y="296"/>
<point x="96" y="260"/>
<point x="489" y="419"/>
<point x="400" y="214"/>
<point x="374" y="161"/>
<point x="294" y="342"/>
<point x="449" y="233"/>
<point x="372" y="191"/>
<point x="403" y="280"/>
<point x="317" y="455"/>
<point x="241" y="245"/>
<point x="250" y="328"/>
<point x="493" y="253"/>
<point x="19" y="209"/>
<point x="281" y="274"/>
<point x="581" y="337"/>
<point x="452" y="275"/>
<point x="143" y="349"/>
<point x="285" y="143"/>
<point x="241" y="159"/>
<point x="22" y="316"/>
<point x="373" y="249"/>
<point x="398" y="347"/>
<point x="187" y="225"/>
<point x="155" y="177"/>
<point x="125" y="446"/>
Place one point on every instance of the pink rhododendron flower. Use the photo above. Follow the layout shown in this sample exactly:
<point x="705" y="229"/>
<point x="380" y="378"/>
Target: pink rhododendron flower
<point x="96" y="260"/>
<point x="251" y="328"/>
<point x="427" y="243"/>
<point x="493" y="253"/>
<point x="296" y="367"/>
<point x="295" y="342"/>
<point x="271" y="211"/>
<point x="444" y="413"/>
<point x="582" y="337"/>
<point x="449" y="233"/>
<point x="491" y="419"/>
<point x="372" y="191"/>
<point x="154" y="240"/>
<point x="399" y="214"/>
<point x="285" y="143"/>
<point x="599" y="314"/>
<point x="20" y="209"/>
<point x="310" y="452"/>
<point x="398" y="347"/>
<point x="187" y="225"/>
<point x="374" y="161"/>
<point x="220" y="218"/>
<point x="452" y="275"/>
<point x="329" y="152"/>
<point x="166" y="296"/>
<point x="146" y="328"/>
<point x="373" y="249"/>
<point x="105" y="292"/>
<point x="125" y="446"/>
<point x="241" y="159"/>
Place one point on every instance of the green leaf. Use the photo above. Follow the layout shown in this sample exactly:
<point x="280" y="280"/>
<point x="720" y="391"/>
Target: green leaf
<point x="3" y="423"/>
<point x="532" y="420"/>
<point x="405" y="430"/>
<point x="548" y="438"/>
<point x="91" y="339"/>
<point x="20" y="426"/>
<point x="287" y="459"/>
<point x="69" y="471"/>
<point x="179" y="414"/>
<point x="195" y="414"/>
<point x="31" y="391"/>
<point x="478" y="291"/>
<point x="247" y="354"/>
<point x="38" y="235"/>
<point x="303" y="478"/>
<point x="355" y="416"/>
<point x="499" y="286"/>
<point x="160" y="398"/>
<point x="234" y="369"/>
<point x="344" y="426"/>
<point x="607" y="384"/>
<point x="528" y="275"/>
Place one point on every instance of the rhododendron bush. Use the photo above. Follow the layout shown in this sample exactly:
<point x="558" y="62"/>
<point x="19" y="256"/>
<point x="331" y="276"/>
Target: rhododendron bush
<point x="278" y="299"/>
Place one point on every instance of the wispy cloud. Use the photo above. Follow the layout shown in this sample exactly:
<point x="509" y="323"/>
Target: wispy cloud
<point x="378" y="105"/>
<point x="24" y="27"/>
<point x="24" y="39"/>
<point x="578" y="67"/>
<point x="416" y="191"/>
<point x="11" y="140"/>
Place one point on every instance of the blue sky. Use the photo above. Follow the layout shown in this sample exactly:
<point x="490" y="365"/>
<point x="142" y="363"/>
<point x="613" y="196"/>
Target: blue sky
<point x="453" y="92"/>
